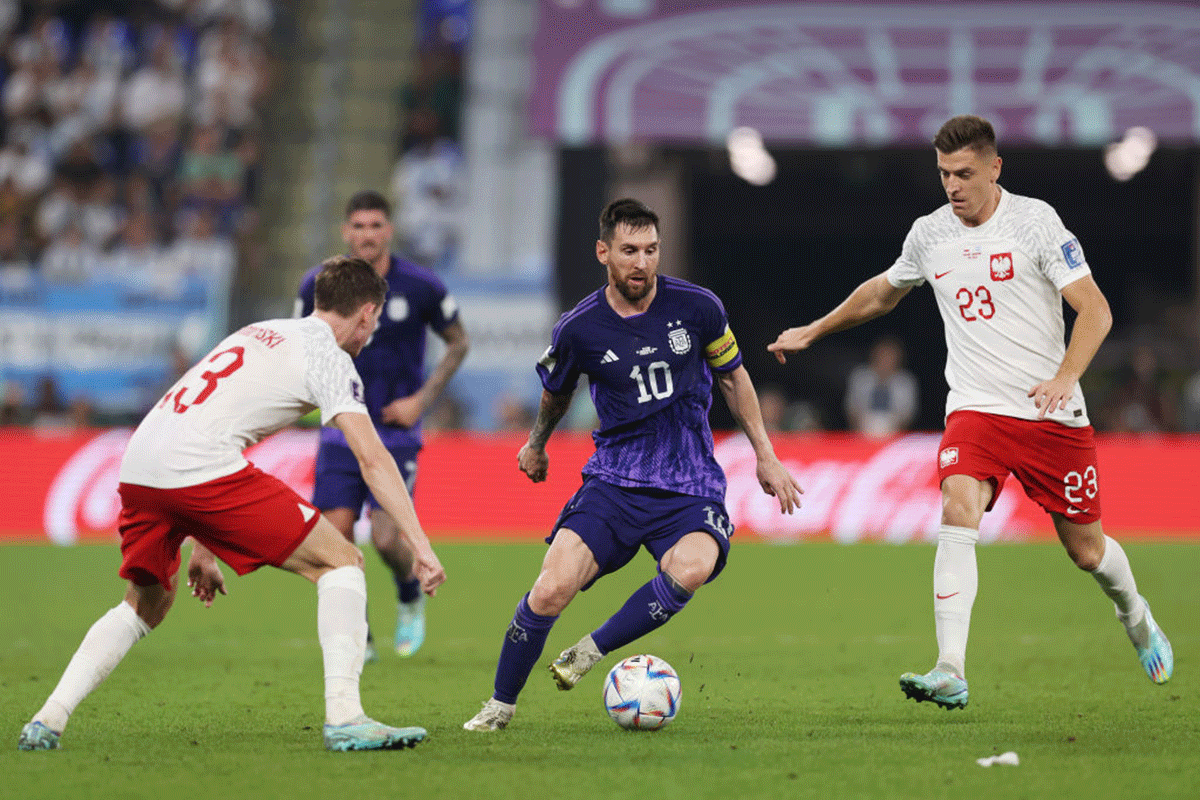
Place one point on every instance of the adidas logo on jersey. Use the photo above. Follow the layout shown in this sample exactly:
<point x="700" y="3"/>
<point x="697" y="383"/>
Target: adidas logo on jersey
<point x="609" y="357"/>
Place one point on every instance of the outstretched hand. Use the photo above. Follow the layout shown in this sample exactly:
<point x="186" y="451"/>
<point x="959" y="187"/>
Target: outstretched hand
<point x="204" y="576"/>
<point x="779" y="483"/>
<point x="793" y="340"/>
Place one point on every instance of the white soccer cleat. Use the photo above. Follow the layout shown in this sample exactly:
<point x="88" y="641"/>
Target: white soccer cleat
<point x="494" y="716"/>
<point x="575" y="662"/>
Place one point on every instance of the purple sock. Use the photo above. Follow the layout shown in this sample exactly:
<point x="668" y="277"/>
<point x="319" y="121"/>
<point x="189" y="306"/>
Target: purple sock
<point x="646" y="609"/>
<point x="523" y="643"/>
<point x="408" y="590"/>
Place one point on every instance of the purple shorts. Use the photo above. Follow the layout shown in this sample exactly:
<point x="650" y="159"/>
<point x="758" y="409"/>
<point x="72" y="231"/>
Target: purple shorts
<point x="339" y="484"/>
<point x="614" y="521"/>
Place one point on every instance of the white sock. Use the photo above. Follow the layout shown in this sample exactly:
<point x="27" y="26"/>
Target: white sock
<point x="106" y="643"/>
<point x="955" y="582"/>
<point x="1116" y="579"/>
<point x="342" y="631"/>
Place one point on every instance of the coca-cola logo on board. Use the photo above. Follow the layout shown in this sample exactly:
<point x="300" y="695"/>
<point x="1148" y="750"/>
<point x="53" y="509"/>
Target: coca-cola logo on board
<point x="891" y="494"/>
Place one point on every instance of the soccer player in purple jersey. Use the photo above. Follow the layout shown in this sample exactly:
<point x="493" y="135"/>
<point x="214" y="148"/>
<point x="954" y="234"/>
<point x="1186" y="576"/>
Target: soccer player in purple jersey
<point x="650" y="346"/>
<point x="392" y="366"/>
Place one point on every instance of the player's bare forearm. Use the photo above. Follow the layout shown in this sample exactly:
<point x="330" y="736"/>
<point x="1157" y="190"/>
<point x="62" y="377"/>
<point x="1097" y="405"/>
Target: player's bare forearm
<point x="873" y="298"/>
<point x="457" y="345"/>
<point x="383" y="477"/>
<point x="773" y="477"/>
<point x="551" y="410"/>
<point x="1092" y="325"/>
<point x="405" y="412"/>
<point x="742" y="400"/>
<point x="532" y="458"/>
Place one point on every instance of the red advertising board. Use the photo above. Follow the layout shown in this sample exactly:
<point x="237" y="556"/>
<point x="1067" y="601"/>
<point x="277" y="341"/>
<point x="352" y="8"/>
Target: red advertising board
<point x="62" y="486"/>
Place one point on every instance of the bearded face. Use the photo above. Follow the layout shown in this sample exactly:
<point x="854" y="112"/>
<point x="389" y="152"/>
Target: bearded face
<point x="632" y="261"/>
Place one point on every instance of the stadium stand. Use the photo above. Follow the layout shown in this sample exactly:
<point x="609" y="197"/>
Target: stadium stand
<point x="129" y="159"/>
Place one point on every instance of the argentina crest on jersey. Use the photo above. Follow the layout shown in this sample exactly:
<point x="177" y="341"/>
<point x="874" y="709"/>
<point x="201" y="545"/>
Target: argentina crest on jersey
<point x="678" y="338"/>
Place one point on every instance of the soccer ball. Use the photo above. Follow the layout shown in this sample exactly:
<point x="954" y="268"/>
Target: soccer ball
<point x="642" y="693"/>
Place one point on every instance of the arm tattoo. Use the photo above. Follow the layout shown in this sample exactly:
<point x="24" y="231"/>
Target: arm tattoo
<point x="551" y="410"/>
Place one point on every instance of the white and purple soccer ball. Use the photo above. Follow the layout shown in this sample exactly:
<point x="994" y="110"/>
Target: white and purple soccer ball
<point x="642" y="693"/>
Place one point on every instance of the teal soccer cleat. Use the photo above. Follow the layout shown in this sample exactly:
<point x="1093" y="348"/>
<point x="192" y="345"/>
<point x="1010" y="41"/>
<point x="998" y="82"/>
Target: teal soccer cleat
<point x="410" y="627"/>
<point x="36" y="736"/>
<point x="938" y="686"/>
<point x="1158" y="660"/>
<point x="364" y="733"/>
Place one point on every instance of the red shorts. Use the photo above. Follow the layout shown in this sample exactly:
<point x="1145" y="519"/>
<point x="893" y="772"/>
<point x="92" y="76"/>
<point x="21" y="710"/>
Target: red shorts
<point x="247" y="519"/>
<point x="1056" y="465"/>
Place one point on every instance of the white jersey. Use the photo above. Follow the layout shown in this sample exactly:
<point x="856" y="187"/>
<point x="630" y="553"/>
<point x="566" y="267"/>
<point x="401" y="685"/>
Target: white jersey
<point x="255" y="382"/>
<point x="998" y="287"/>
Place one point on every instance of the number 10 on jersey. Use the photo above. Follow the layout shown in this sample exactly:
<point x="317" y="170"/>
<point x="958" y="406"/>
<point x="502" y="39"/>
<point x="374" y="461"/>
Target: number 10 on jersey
<point x="657" y="383"/>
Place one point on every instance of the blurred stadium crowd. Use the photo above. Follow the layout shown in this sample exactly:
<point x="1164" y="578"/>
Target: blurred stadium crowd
<point x="130" y="141"/>
<point x="130" y="148"/>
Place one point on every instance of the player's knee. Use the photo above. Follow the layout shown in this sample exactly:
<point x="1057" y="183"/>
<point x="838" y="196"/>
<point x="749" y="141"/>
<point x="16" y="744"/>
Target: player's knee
<point x="690" y="571"/>
<point x="960" y="513"/>
<point x="550" y="596"/>
<point x="345" y="554"/>
<point x="1086" y="555"/>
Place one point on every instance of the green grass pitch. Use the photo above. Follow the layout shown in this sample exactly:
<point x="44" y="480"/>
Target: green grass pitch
<point x="789" y="665"/>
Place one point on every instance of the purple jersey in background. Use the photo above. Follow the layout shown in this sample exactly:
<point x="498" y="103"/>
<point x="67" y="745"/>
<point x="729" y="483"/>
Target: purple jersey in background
<point x="392" y="364"/>
<point x="651" y="384"/>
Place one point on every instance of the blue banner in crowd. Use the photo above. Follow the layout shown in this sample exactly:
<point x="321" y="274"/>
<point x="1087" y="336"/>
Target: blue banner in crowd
<point x="112" y="343"/>
<point x="509" y="323"/>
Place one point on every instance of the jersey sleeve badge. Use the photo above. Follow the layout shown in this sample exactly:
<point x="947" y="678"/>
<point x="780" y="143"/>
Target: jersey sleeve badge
<point x="1073" y="254"/>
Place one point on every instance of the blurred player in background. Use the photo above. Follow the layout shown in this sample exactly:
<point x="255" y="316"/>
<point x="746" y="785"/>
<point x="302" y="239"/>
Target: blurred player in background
<point x="650" y="346"/>
<point x="1000" y="265"/>
<point x="392" y="366"/>
<point x="183" y="474"/>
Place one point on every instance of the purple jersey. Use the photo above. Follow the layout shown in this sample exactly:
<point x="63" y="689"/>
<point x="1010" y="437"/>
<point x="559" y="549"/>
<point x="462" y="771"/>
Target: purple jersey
<point x="651" y="384"/>
<point x="392" y="364"/>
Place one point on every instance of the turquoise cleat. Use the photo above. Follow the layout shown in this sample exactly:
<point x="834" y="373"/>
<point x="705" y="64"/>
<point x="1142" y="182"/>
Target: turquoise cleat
<point x="938" y="686"/>
<point x="1158" y="660"/>
<point x="36" y="736"/>
<point x="410" y="627"/>
<point x="365" y="733"/>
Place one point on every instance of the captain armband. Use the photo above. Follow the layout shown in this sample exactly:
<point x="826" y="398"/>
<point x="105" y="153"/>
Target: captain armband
<point x="722" y="351"/>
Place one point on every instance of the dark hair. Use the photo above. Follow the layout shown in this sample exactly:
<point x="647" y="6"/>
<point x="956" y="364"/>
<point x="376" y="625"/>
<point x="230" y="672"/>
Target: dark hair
<point x="345" y="284"/>
<point x="625" y="211"/>
<point x="968" y="131"/>
<point x="368" y="200"/>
